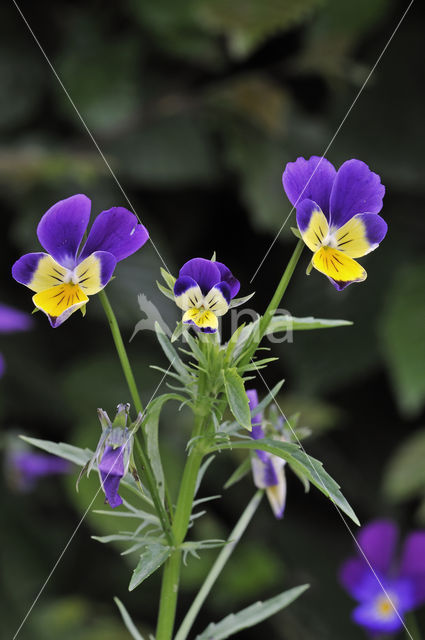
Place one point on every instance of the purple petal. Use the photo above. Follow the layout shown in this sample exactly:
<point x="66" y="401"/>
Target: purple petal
<point x="13" y="320"/>
<point x="229" y="278"/>
<point x="413" y="565"/>
<point x="111" y="469"/>
<point x="309" y="179"/>
<point x="116" y="231"/>
<point x="62" y="228"/>
<point x="358" y="580"/>
<point x="224" y="289"/>
<point x="367" y="615"/>
<point x="205" y="273"/>
<point x="2" y="366"/>
<point x="183" y="284"/>
<point x="377" y="541"/>
<point x="356" y="190"/>
<point x="24" y="269"/>
<point x="256" y="420"/>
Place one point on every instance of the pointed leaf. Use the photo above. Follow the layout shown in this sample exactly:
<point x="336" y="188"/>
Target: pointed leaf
<point x="171" y="353"/>
<point x="151" y="559"/>
<point x="310" y="468"/>
<point x="251" y="615"/>
<point x="240" y="472"/>
<point x="237" y="398"/>
<point x="131" y="627"/>
<point x="289" y="323"/>
<point x="67" y="451"/>
<point x="237" y="302"/>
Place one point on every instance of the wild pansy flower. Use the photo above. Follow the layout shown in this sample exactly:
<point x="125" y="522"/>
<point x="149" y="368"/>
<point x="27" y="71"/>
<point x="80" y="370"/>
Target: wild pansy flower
<point x="268" y="470"/>
<point x="337" y="214"/>
<point x="24" y="468"/>
<point x="403" y="581"/>
<point x="65" y="276"/>
<point x="113" y="452"/>
<point x="12" y="320"/>
<point x="203" y="291"/>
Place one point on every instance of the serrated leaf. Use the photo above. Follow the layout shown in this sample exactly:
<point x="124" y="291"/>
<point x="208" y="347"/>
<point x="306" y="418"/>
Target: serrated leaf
<point x="131" y="627"/>
<point x="237" y="398"/>
<point x="151" y="559"/>
<point x="311" y="468"/>
<point x="251" y="615"/>
<point x="240" y="472"/>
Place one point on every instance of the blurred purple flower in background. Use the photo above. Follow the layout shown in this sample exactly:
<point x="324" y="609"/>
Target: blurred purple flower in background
<point x="12" y="320"/>
<point x="24" y="468"/>
<point x="381" y="609"/>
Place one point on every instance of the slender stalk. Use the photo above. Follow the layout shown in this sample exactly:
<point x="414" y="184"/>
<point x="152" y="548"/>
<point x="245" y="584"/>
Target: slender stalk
<point x="413" y="627"/>
<point x="218" y="565"/>
<point x="274" y="302"/>
<point x="141" y="458"/>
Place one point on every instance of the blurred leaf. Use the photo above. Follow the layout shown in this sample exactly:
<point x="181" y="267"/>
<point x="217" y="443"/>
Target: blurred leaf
<point x="101" y="75"/>
<point x="250" y="616"/>
<point x="61" y="449"/>
<point x="150" y="560"/>
<point x="21" y="79"/>
<point x="240" y="472"/>
<point x="405" y="475"/>
<point x="168" y="151"/>
<point x="403" y="337"/>
<point x="237" y="398"/>
<point x="247" y="23"/>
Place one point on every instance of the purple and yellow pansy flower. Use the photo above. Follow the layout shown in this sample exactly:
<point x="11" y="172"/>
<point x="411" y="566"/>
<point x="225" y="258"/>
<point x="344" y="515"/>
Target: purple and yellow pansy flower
<point x="65" y="276"/>
<point x="337" y="214"/>
<point x="203" y="291"/>
<point x="397" y="588"/>
<point x="268" y="470"/>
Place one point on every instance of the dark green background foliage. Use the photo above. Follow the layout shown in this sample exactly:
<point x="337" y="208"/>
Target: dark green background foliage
<point x="198" y="105"/>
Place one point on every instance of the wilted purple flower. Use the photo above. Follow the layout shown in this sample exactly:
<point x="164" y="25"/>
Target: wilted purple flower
<point x="267" y="469"/>
<point x="113" y="452"/>
<point x="12" y="320"/>
<point x="382" y="612"/>
<point x="66" y="275"/>
<point x="337" y="214"/>
<point x="203" y="291"/>
<point x="24" y="468"/>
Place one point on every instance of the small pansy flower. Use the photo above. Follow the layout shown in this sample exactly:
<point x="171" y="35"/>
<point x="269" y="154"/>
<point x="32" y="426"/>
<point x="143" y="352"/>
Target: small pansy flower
<point x="25" y="468"/>
<point x="268" y="470"/>
<point x="337" y="214"/>
<point x="113" y="452"/>
<point x="403" y="580"/>
<point x="12" y="320"/>
<point x="203" y="291"/>
<point x="65" y="276"/>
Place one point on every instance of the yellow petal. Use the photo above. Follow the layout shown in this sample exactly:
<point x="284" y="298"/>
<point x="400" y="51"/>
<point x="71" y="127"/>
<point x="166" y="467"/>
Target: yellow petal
<point x="60" y="302"/>
<point x="88" y="275"/>
<point x="202" y="319"/>
<point x="338" y="266"/>
<point x="316" y="231"/>
<point x="48" y="273"/>
<point x="352" y="239"/>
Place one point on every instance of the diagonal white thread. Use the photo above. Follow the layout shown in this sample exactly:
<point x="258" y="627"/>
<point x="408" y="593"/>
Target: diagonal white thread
<point x="46" y="57"/>
<point x="335" y="134"/>
<point x="82" y="518"/>
<point x="335" y="505"/>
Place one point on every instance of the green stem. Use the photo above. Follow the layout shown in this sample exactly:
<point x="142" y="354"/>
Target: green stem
<point x="140" y="456"/>
<point x="281" y="288"/>
<point x="274" y="302"/>
<point x="171" y="575"/>
<point x="413" y="627"/>
<point x="218" y="565"/>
